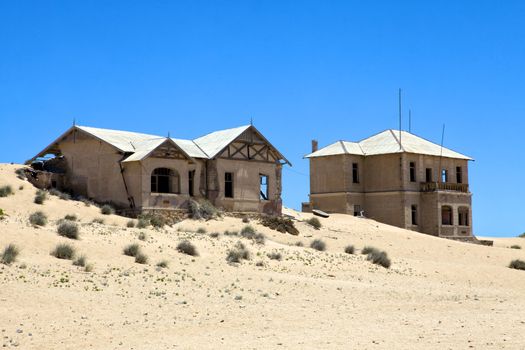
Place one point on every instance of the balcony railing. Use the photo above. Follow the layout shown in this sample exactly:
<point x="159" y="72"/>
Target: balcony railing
<point x="443" y="186"/>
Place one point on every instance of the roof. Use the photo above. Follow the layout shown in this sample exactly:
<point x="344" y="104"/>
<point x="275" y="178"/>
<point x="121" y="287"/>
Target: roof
<point x="140" y="146"/>
<point x="387" y="142"/>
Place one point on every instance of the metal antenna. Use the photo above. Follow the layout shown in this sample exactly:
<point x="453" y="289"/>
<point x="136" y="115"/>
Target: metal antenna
<point x="74" y="122"/>
<point x="410" y="121"/>
<point x="401" y="147"/>
<point x="168" y="134"/>
<point x="251" y="121"/>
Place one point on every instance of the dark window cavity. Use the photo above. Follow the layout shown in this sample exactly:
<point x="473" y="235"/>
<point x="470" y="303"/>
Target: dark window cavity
<point x="412" y="172"/>
<point x="263" y="188"/>
<point x="355" y="173"/>
<point x="228" y="185"/>
<point x="414" y="214"/>
<point x="164" y="180"/>
<point x="446" y="215"/>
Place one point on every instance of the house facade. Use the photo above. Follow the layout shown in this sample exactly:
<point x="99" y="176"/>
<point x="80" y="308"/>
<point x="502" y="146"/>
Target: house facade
<point x="235" y="169"/>
<point x="397" y="178"/>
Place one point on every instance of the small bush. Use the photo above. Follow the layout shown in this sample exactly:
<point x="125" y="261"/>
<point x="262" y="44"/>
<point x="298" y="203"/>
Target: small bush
<point x="141" y="258"/>
<point x="280" y="223"/>
<point x="98" y="221"/>
<point x="259" y="263"/>
<point x="143" y="223"/>
<point x="231" y="233"/>
<point x="379" y="258"/>
<point x="314" y="222"/>
<point x="21" y="187"/>
<point x="275" y="256"/>
<point x="71" y="217"/>
<point x="517" y="264"/>
<point x="367" y="250"/>
<point x="349" y="249"/>
<point x="186" y="247"/>
<point x="38" y="218"/>
<point x="515" y="246"/>
<point x="319" y="245"/>
<point x="157" y="221"/>
<point x="10" y="254"/>
<point x="238" y="253"/>
<point x="88" y="268"/>
<point x="107" y="209"/>
<point x="6" y="191"/>
<point x="132" y="250"/>
<point x="202" y="210"/>
<point x="201" y="230"/>
<point x="214" y="234"/>
<point x="54" y="192"/>
<point x="68" y="229"/>
<point x="299" y="244"/>
<point x="246" y="220"/>
<point x="64" y="196"/>
<point x="80" y="261"/>
<point x="143" y="236"/>
<point x="259" y="238"/>
<point x="248" y="232"/>
<point x="163" y="264"/>
<point x="64" y="251"/>
<point x="40" y="197"/>
<point x="130" y="224"/>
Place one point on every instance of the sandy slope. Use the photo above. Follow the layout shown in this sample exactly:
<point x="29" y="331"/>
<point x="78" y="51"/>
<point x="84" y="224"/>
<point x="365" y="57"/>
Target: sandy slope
<point x="438" y="294"/>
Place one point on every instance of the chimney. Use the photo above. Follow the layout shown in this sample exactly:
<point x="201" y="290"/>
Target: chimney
<point x="315" y="146"/>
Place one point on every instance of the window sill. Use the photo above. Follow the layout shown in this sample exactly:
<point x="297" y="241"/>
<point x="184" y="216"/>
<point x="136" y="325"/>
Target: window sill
<point x="159" y="194"/>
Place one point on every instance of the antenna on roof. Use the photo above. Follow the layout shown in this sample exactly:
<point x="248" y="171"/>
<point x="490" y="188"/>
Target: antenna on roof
<point x="74" y="122"/>
<point x="251" y="121"/>
<point x="410" y="121"/>
<point x="401" y="147"/>
<point x="169" y="134"/>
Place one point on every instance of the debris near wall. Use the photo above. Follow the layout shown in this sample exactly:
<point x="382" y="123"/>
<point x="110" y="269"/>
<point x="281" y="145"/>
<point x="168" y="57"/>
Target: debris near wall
<point x="279" y="223"/>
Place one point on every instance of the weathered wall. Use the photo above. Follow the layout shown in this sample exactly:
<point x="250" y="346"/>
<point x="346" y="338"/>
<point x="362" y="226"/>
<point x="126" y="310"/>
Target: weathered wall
<point x="246" y="185"/>
<point x="93" y="169"/>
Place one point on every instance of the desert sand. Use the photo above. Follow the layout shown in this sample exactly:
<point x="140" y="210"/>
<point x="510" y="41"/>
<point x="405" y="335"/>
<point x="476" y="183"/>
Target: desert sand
<point x="437" y="294"/>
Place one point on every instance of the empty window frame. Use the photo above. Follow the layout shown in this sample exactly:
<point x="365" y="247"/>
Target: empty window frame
<point x="463" y="216"/>
<point x="164" y="180"/>
<point x="428" y="175"/>
<point x="263" y="187"/>
<point x="355" y="173"/>
<point x="444" y="175"/>
<point x="414" y="214"/>
<point x="446" y="215"/>
<point x="228" y="185"/>
<point x="357" y="210"/>
<point x="412" y="171"/>
<point x="459" y="175"/>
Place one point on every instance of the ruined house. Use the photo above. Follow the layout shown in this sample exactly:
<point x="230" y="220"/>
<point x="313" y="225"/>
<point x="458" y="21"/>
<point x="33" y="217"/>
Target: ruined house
<point x="236" y="169"/>
<point x="397" y="178"/>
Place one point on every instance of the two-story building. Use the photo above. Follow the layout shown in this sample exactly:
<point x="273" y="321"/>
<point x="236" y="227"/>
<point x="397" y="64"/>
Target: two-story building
<point x="397" y="178"/>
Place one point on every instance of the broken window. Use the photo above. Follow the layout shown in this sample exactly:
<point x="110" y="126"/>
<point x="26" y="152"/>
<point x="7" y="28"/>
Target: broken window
<point x="459" y="175"/>
<point x="164" y="180"/>
<point x="463" y="216"/>
<point x="428" y="174"/>
<point x="444" y="175"/>
<point x="414" y="214"/>
<point x="228" y="185"/>
<point x="263" y="190"/>
<point x="355" y="173"/>
<point x="412" y="172"/>
<point x="191" y="176"/>
<point x="357" y="210"/>
<point x="446" y="215"/>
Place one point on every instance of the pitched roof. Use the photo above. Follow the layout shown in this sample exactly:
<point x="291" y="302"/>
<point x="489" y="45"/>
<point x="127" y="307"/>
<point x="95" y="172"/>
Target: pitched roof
<point x="388" y="142"/>
<point x="142" y="145"/>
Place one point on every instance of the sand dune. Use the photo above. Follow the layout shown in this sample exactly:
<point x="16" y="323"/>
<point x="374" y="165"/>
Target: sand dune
<point x="438" y="294"/>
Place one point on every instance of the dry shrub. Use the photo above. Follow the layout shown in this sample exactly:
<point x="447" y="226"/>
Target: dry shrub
<point x="202" y="210"/>
<point x="186" y="247"/>
<point x="318" y="244"/>
<point x="10" y="254"/>
<point x="280" y="223"/>
<point x="38" y="218"/>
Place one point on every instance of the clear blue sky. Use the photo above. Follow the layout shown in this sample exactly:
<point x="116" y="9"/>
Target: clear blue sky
<point x="301" y="69"/>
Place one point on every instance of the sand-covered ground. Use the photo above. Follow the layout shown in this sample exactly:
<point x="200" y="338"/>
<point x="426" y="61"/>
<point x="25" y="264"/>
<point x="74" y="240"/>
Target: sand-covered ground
<point x="437" y="294"/>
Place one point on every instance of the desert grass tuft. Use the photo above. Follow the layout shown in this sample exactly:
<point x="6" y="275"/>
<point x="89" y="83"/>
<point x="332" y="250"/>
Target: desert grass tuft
<point x="515" y="246"/>
<point x="275" y="256"/>
<point x="379" y="258"/>
<point x="141" y="258"/>
<point x="163" y="264"/>
<point x="314" y="222"/>
<point x="64" y="251"/>
<point x="318" y="244"/>
<point x="10" y="254"/>
<point x="132" y="250"/>
<point x="186" y="247"/>
<point x="215" y="234"/>
<point x="517" y="264"/>
<point x="201" y="230"/>
<point x="143" y="236"/>
<point x="68" y="229"/>
<point x="6" y="191"/>
<point x="40" y="197"/>
<point x="349" y="249"/>
<point x="38" y="218"/>
<point x="80" y="261"/>
<point x="238" y="253"/>
<point x="130" y="224"/>
<point x="71" y="217"/>
<point x="107" y="209"/>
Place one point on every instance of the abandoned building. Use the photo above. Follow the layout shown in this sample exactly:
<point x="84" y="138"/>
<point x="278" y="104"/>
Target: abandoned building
<point x="396" y="178"/>
<point x="235" y="169"/>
